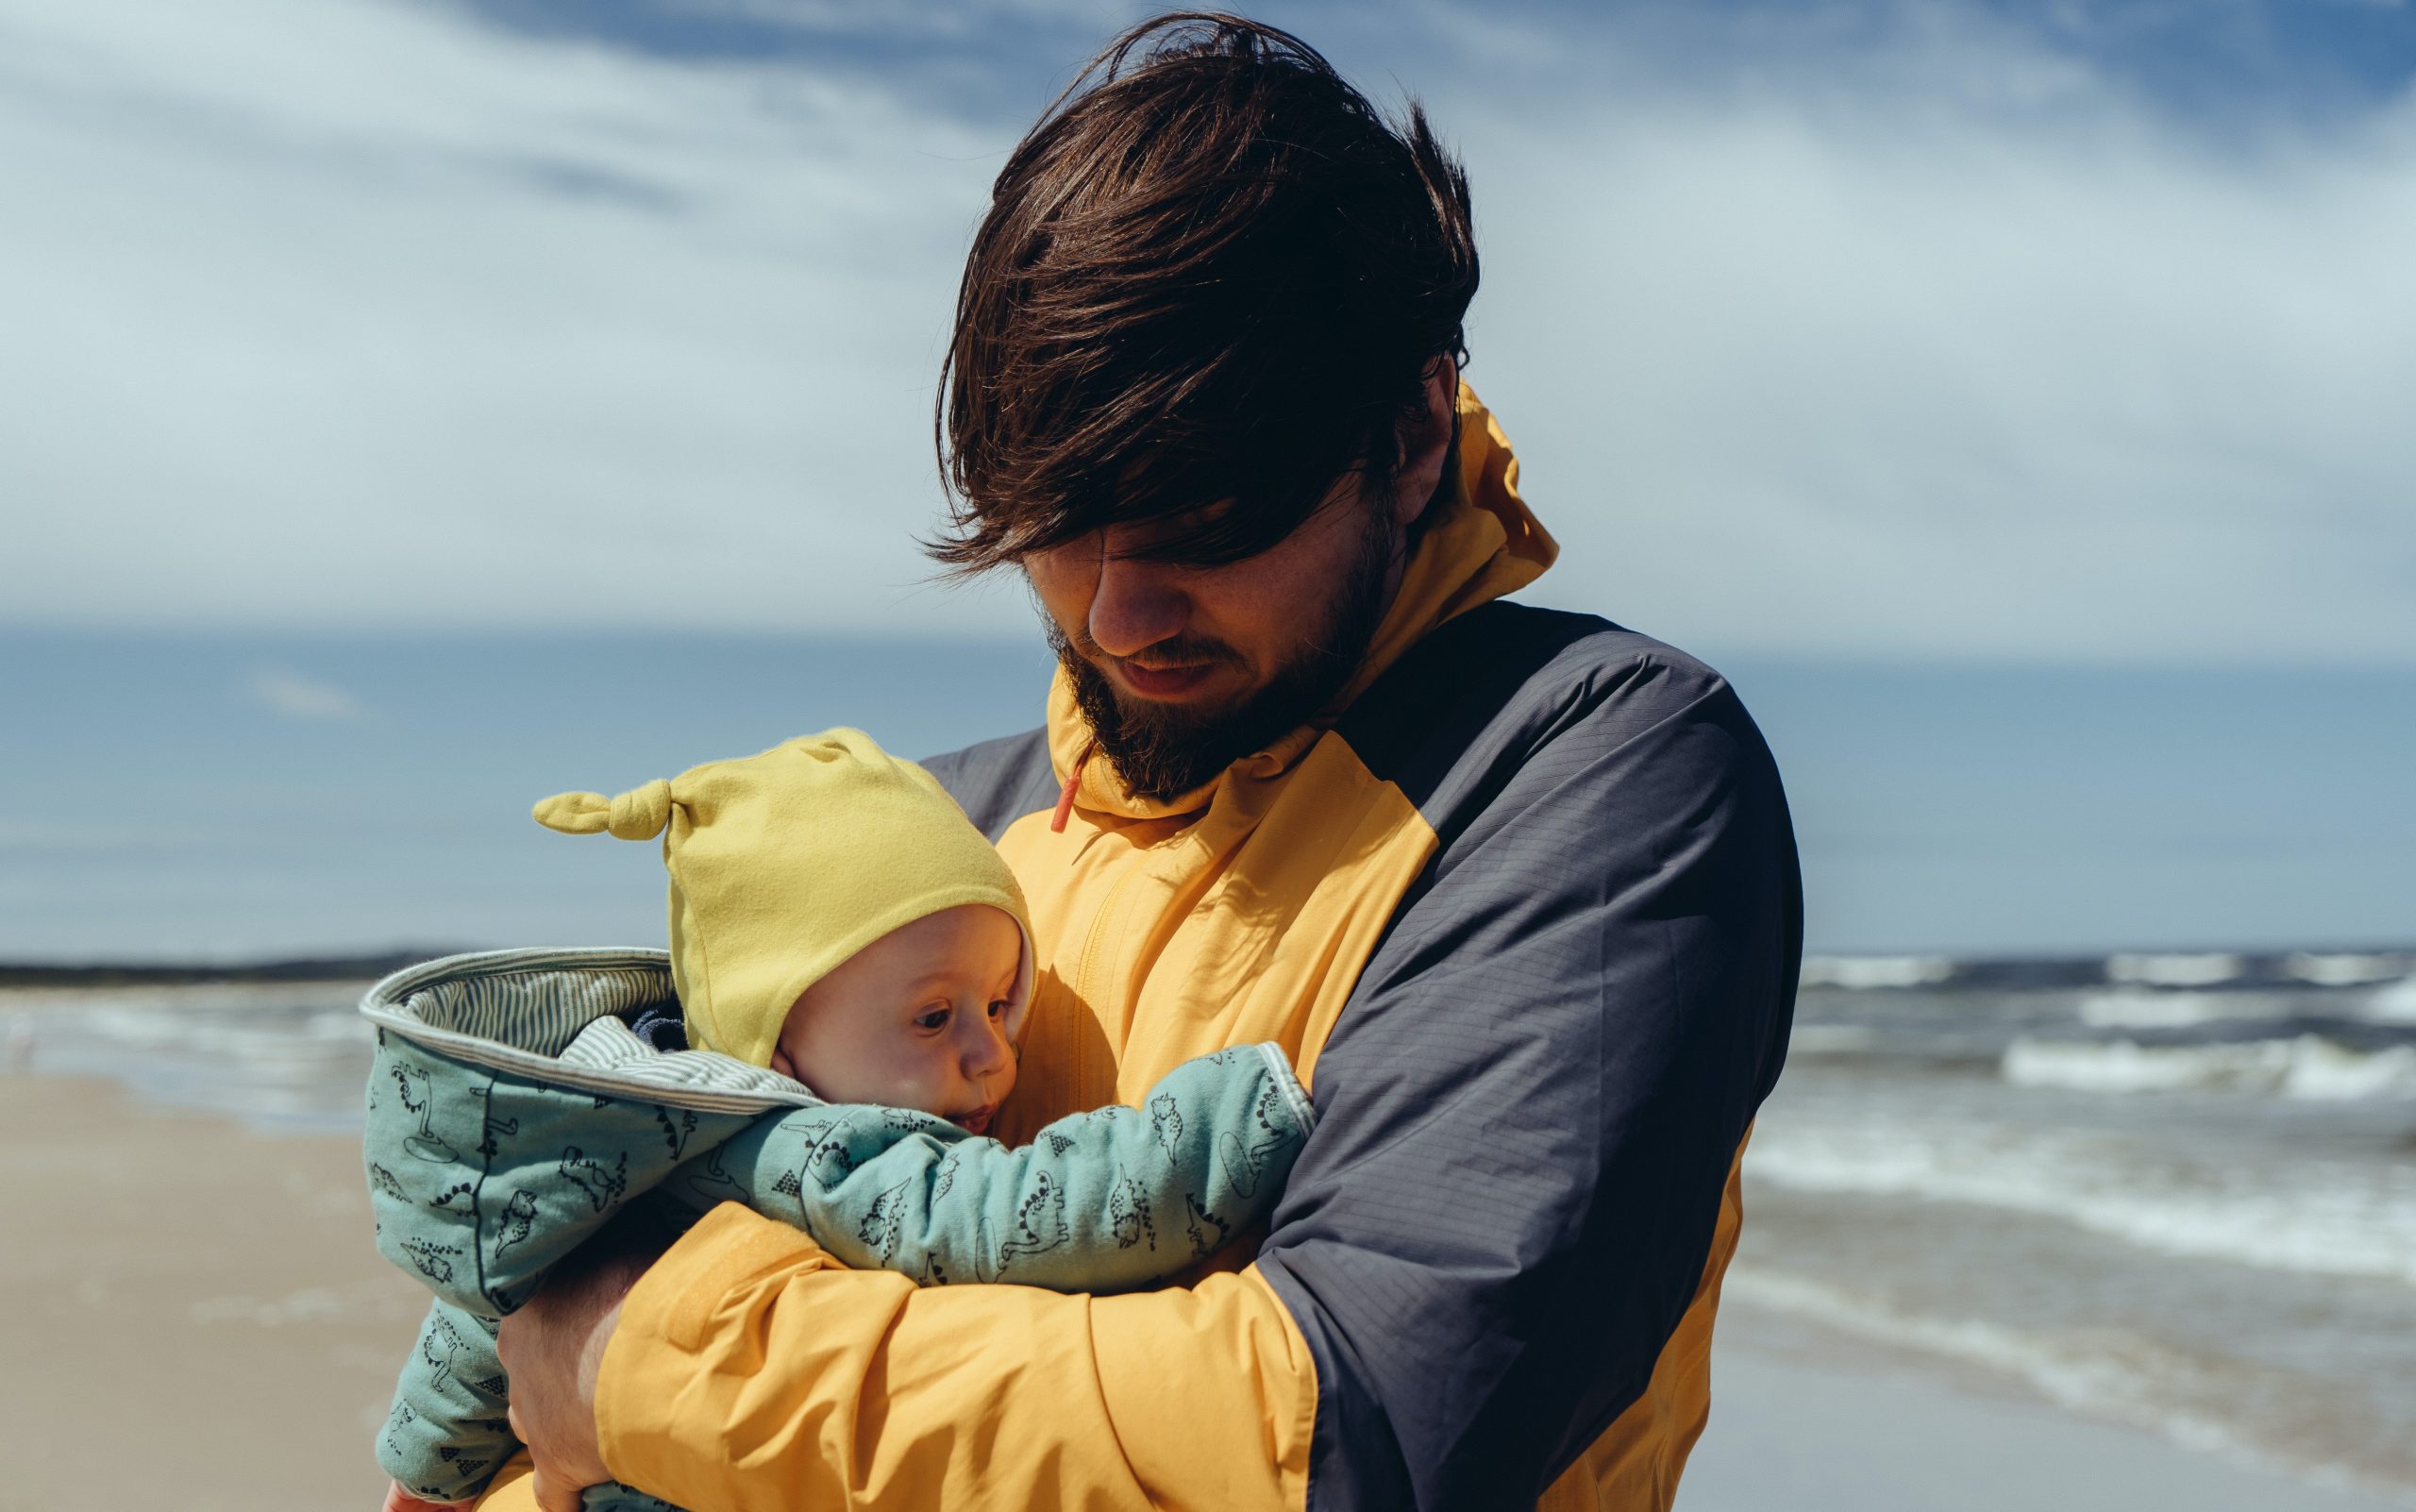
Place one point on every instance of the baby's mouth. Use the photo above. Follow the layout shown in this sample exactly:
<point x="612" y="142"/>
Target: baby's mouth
<point x="978" y="1121"/>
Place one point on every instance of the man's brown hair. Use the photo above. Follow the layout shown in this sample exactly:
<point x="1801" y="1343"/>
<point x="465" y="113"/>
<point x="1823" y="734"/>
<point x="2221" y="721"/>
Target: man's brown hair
<point x="1212" y="272"/>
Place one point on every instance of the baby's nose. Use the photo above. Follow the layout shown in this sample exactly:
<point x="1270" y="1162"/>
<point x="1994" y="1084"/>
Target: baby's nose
<point x="988" y="1053"/>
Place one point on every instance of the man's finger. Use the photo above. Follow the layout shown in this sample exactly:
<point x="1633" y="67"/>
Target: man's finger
<point x="553" y="1493"/>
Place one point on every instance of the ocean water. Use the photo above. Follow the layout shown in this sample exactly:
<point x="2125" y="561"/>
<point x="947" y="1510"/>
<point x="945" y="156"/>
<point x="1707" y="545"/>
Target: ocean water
<point x="2181" y="1196"/>
<point x="2172" y="1191"/>
<point x="239" y="796"/>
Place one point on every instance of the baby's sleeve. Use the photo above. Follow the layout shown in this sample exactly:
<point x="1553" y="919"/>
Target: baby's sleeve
<point x="447" y="1435"/>
<point x="1106" y="1200"/>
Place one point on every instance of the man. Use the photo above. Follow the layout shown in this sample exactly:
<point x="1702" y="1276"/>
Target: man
<point x="1515" y="889"/>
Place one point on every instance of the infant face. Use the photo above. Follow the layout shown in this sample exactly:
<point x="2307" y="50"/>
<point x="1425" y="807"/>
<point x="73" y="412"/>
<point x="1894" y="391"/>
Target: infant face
<point x="916" y="1019"/>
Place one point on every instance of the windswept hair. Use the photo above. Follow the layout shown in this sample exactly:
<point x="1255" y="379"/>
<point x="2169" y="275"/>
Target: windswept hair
<point x="1212" y="273"/>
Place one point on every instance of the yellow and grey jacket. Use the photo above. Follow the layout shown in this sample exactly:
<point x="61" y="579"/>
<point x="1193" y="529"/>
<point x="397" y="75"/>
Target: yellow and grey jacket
<point x="1524" y="914"/>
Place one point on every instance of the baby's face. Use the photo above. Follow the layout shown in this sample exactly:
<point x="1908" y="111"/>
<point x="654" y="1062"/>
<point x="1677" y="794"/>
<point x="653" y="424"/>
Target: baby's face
<point x="916" y="1019"/>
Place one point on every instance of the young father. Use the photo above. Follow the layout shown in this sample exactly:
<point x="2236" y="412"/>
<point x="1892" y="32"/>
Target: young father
<point x="1514" y="888"/>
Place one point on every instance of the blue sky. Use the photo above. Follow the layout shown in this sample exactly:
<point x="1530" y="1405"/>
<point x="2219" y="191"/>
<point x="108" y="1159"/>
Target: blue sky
<point x="1940" y="347"/>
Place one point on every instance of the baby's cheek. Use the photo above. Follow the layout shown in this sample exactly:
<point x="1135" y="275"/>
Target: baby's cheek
<point x="930" y="1083"/>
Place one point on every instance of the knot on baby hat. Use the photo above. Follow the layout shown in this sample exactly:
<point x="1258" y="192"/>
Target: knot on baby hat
<point x="639" y="814"/>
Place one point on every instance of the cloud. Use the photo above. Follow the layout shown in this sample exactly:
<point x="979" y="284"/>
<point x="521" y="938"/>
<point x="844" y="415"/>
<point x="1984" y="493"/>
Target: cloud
<point x="1878" y="372"/>
<point x="1908" y="336"/>
<point x="301" y="698"/>
<point x="365" y="314"/>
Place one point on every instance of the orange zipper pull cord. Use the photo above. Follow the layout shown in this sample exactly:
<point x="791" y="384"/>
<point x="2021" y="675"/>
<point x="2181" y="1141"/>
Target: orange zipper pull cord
<point x="1065" y="799"/>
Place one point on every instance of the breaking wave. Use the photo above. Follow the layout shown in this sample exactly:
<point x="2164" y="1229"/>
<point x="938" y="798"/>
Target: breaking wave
<point x="2175" y="970"/>
<point x="2305" y="1067"/>
<point x="1861" y="973"/>
<point x="2340" y="1221"/>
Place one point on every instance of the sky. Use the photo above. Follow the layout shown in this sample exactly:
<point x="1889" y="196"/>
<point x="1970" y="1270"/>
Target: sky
<point x="1986" y="380"/>
<point x="1897" y="331"/>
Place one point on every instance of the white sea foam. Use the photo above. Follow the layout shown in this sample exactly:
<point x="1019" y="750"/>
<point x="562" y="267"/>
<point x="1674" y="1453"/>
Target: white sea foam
<point x="276" y="1052"/>
<point x="1861" y="973"/>
<point x="1831" y="1039"/>
<point x="2113" y="1376"/>
<point x="2394" y="1004"/>
<point x="2173" y="970"/>
<point x="2126" y="1380"/>
<point x="2344" y="970"/>
<point x="2134" y="1009"/>
<point x="2340" y="1219"/>
<point x="181" y="998"/>
<point x="2308" y="1066"/>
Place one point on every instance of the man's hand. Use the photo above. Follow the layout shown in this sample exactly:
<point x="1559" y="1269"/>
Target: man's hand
<point x="553" y="1351"/>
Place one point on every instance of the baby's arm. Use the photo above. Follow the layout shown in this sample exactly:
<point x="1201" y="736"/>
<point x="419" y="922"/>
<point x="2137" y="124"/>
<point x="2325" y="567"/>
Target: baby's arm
<point x="1104" y="1201"/>
<point x="447" y="1435"/>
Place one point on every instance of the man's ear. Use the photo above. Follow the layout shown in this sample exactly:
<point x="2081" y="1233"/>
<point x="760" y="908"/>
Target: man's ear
<point x="1426" y="444"/>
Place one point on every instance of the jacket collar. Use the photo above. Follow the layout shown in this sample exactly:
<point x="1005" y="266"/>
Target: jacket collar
<point x="1483" y="543"/>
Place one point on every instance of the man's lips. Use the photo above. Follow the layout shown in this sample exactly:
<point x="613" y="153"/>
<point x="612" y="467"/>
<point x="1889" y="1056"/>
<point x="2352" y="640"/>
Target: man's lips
<point x="1163" y="682"/>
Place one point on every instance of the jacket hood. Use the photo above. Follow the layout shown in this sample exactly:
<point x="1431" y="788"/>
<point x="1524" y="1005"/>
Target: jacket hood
<point x="1482" y="544"/>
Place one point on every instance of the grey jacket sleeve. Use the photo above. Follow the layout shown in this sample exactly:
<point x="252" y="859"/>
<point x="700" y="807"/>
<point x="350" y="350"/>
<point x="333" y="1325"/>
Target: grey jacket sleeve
<point x="1103" y="1201"/>
<point x="1529" y="1108"/>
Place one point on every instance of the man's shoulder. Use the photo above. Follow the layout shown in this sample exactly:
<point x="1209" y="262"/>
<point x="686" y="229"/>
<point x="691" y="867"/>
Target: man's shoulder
<point x="1518" y="634"/>
<point x="1487" y="689"/>
<point x="1496" y="686"/>
<point x="999" y="780"/>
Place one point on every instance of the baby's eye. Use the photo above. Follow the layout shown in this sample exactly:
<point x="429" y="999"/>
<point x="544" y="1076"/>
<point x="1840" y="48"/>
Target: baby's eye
<point x="932" y="1019"/>
<point x="998" y="1009"/>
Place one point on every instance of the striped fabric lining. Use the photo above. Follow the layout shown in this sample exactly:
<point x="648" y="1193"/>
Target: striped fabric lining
<point x="558" y="1016"/>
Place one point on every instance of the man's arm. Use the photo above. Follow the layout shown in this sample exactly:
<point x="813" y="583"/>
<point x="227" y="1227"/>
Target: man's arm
<point x="1527" y="1116"/>
<point x="1531" y="1106"/>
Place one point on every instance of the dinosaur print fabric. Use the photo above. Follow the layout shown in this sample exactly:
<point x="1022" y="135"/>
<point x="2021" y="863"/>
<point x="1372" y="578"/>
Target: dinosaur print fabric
<point x="484" y="1172"/>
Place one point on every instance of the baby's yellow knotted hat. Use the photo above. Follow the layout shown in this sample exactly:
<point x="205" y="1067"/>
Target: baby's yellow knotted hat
<point x="784" y="864"/>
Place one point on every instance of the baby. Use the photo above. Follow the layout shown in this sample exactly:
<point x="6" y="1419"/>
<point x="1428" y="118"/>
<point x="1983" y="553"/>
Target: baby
<point x="851" y="965"/>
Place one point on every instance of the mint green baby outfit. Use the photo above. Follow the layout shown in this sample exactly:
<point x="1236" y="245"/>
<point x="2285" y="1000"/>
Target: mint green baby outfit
<point x="512" y="1112"/>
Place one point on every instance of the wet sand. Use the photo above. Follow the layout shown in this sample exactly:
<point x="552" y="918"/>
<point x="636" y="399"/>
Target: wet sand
<point x="197" y="1322"/>
<point x="1803" y="1420"/>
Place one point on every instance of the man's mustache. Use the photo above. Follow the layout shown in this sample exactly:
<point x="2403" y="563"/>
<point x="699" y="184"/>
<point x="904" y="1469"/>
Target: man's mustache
<point x="1175" y="650"/>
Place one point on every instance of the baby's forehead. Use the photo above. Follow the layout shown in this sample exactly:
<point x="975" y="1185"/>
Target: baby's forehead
<point x="957" y="968"/>
<point x="962" y="955"/>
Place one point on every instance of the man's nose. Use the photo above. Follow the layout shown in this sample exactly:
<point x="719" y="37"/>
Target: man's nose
<point x="1137" y="604"/>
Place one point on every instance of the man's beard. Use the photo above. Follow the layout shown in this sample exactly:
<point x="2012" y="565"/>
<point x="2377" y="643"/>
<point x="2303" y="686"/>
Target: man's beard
<point x="1163" y="751"/>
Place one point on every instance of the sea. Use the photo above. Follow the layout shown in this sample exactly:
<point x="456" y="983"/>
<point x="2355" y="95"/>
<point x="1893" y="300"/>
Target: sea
<point x="2172" y="1190"/>
<point x="2175" y="1191"/>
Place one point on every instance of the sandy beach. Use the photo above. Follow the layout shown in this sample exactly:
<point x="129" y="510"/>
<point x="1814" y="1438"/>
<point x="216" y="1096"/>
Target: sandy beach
<point x="210" y="1329"/>
<point x="197" y="1319"/>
